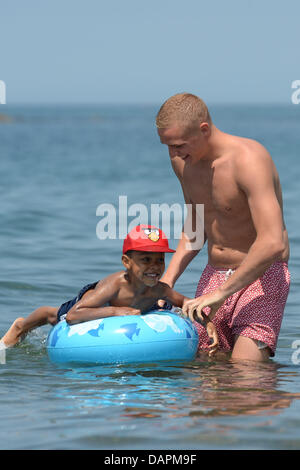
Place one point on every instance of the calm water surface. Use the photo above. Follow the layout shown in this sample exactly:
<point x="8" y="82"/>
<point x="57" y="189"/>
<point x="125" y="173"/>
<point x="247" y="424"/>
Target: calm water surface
<point x="57" y="165"/>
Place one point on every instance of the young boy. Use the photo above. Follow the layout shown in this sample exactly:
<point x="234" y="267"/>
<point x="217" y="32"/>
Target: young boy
<point x="131" y="292"/>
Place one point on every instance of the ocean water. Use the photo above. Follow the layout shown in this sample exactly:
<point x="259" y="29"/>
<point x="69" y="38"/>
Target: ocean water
<point x="58" y="164"/>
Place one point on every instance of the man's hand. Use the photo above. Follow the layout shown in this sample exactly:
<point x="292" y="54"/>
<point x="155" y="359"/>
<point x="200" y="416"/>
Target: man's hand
<point x="213" y="335"/>
<point x="193" y="308"/>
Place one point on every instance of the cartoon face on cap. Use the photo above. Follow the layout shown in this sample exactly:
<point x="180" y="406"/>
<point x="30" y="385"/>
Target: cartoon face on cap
<point x="152" y="234"/>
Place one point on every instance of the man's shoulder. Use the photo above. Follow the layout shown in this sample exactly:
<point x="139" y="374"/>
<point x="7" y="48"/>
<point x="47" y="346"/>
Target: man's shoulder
<point x="251" y="163"/>
<point x="245" y="152"/>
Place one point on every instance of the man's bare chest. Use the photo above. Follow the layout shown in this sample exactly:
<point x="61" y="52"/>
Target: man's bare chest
<point x="217" y="189"/>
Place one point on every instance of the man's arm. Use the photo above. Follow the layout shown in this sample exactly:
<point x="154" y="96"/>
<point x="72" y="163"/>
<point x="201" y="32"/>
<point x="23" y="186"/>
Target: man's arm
<point x="187" y="248"/>
<point x="255" y="176"/>
<point x="254" y="173"/>
<point x="179" y="261"/>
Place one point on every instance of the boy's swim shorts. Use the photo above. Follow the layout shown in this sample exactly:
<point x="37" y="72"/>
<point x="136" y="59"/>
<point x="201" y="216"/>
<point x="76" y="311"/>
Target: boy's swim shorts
<point x="64" y="308"/>
<point x="255" y="311"/>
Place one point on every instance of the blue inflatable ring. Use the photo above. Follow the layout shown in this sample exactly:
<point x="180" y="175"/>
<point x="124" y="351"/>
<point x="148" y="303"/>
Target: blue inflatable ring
<point x="155" y="336"/>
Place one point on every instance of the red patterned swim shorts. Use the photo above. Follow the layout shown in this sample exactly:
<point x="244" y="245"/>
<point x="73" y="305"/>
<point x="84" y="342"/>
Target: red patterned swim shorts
<point x="255" y="311"/>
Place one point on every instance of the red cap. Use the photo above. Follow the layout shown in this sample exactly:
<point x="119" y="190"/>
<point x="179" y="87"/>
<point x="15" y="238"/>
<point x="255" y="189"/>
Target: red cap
<point x="146" y="238"/>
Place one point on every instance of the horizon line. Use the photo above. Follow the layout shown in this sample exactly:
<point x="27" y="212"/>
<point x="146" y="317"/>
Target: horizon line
<point x="137" y="103"/>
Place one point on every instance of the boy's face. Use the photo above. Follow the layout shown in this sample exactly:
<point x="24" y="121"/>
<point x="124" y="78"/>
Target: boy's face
<point x="147" y="267"/>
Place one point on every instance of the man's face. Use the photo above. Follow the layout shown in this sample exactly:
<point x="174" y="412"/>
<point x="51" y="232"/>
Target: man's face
<point x="189" y="144"/>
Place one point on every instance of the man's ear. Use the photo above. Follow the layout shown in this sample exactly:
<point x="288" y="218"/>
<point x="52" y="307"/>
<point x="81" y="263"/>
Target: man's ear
<point x="205" y="129"/>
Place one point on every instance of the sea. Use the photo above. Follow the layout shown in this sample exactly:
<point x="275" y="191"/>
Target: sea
<point x="62" y="166"/>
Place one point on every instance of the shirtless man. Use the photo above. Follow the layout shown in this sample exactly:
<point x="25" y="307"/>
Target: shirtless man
<point x="244" y="287"/>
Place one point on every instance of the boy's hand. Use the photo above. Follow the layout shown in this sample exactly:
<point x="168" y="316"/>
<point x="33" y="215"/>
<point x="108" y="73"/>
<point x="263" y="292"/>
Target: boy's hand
<point x="120" y="311"/>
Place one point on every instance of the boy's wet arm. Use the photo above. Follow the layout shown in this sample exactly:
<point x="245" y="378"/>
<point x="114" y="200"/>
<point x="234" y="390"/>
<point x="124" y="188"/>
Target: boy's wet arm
<point x="94" y="303"/>
<point x="174" y="297"/>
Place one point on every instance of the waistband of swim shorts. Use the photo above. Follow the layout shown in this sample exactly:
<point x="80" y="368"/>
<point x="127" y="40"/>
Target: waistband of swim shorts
<point x="229" y="271"/>
<point x="219" y="270"/>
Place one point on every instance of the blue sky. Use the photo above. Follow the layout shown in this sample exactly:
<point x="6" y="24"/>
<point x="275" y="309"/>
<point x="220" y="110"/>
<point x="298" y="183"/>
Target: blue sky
<point x="137" y="51"/>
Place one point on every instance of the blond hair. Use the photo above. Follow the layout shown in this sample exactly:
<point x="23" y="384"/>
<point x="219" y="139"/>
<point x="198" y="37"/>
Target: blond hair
<point x="182" y="108"/>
